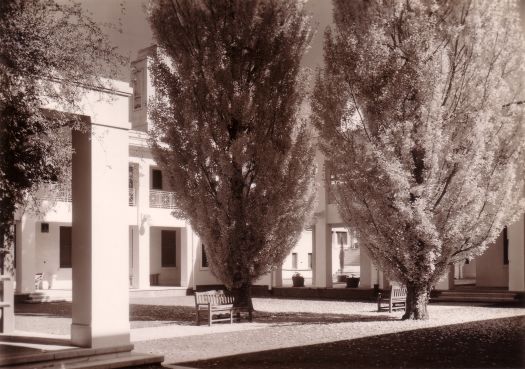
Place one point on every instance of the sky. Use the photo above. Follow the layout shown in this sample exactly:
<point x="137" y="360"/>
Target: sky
<point x="136" y="33"/>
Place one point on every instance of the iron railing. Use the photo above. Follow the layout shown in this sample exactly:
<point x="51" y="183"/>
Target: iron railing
<point x="161" y="199"/>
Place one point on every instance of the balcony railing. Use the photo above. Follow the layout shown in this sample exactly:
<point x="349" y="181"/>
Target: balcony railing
<point x="54" y="192"/>
<point x="132" y="197"/>
<point x="161" y="199"/>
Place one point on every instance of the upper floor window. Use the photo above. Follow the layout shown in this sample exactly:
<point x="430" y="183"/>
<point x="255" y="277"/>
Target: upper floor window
<point x="156" y="179"/>
<point x="138" y="88"/>
<point x="130" y="177"/>
<point x="342" y="238"/>
<point x="294" y="260"/>
<point x="204" y="257"/>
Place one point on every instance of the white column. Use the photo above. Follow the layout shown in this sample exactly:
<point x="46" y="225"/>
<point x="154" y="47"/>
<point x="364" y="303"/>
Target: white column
<point x="516" y="235"/>
<point x="25" y="254"/>
<point x="322" y="236"/>
<point x="100" y="252"/>
<point x="277" y="277"/>
<point x="366" y="269"/>
<point x="447" y="281"/>
<point x="7" y="321"/>
<point x="187" y="256"/>
<point x="322" y="254"/>
<point x="143" y="237"/>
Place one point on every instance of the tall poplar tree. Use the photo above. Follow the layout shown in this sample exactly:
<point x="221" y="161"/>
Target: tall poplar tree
<point x="48" y="52"/>
<point x="228" y="128"/>
<point x="419" y="112"/>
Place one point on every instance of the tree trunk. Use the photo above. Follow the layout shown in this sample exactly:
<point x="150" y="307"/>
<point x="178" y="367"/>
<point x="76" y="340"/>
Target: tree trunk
<point x="417" y="301"/>
<point x="243" y="298"/>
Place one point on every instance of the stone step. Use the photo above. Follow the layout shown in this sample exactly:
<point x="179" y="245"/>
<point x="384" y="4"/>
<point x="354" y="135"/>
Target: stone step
<point x="74" y="357"/>
<point x="126" y="360"/>
<point x="488" y="294"/>
<point x="161" y="292"/>
<point x="488" y="299"/>
<point x="49" y="296"/>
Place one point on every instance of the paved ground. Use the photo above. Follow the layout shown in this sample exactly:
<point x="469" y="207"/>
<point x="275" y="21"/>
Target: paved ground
<point x="313" y="334"/>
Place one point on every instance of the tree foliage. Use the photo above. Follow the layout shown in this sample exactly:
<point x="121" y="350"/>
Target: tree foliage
<point x="228" y="129"/>
<point x="418" y="110"/>
<point x="47" y="53"/>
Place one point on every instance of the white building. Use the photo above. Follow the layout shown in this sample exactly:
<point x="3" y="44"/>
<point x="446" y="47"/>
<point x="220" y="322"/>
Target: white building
<point x="164" y="251"/>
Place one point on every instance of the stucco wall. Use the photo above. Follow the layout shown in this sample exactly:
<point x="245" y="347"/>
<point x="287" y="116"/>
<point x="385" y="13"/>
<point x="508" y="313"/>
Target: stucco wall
<point x="302" y="248"/>
<point x="47" y="259"/>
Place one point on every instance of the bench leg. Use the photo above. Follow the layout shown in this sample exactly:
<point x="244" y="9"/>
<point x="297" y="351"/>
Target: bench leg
<point x="197" y="318"/>
<point x="390" y="307"/>
<point x="209" y="318"/>
<point x="231" y="316"/>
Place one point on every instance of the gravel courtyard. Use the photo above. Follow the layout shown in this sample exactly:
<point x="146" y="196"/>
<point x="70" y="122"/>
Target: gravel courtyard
<point x="312" y="334"/>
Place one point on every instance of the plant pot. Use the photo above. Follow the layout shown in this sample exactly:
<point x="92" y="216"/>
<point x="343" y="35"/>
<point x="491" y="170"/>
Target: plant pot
<point x="352" y="282"/>
<point x="342" y="278"/>
<point x="298" y="281"/>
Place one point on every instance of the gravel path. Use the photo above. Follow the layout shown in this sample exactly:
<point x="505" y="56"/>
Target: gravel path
<point x="286" y="330"/>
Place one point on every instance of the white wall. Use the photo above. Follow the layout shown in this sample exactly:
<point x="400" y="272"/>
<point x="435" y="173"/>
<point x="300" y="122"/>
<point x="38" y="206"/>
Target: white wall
<point x="48" y="256"/>
<point x="302" y="248"/>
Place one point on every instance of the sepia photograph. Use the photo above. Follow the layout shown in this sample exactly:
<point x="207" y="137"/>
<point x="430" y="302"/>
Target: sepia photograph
<point x="311" y="184"/>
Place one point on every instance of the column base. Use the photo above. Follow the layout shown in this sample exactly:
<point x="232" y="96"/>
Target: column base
<point x="84" y="335"/>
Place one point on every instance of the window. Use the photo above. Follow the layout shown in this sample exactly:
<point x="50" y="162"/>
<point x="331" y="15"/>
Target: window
<point x="138" y="87"/>
<point x="130" y="177"/>
<point x="342" y="238"/>
<point x="310" y="263"/>
<point x="204" y="257"/>
<point x="294" y="260"/>
<point x="156" y="179"/>
<point x="169" y="248"/>
<point x="505" y="246"/>
<point x="44" y="227"/>
<point x="65" y="247"/>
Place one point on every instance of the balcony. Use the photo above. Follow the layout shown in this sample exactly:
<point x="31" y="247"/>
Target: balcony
<point x="54" y="192"/>
<point x="161" y="199"/>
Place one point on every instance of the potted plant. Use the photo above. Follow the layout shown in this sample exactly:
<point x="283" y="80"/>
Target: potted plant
<point x="298" y="280"/>
<point x="352" y="282"/>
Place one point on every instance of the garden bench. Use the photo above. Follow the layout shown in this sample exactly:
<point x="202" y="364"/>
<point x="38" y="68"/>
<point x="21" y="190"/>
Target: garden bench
<point x="217" y="304"/>
<point x="395" y="298"/>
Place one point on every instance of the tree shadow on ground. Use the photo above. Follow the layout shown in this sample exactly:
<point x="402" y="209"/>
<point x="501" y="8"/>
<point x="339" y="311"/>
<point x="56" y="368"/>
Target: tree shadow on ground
<point x="47" y="309"/>
<point x="494" y="343"/>
<point x="317" y="318"/>
<point x="185" y="315"/>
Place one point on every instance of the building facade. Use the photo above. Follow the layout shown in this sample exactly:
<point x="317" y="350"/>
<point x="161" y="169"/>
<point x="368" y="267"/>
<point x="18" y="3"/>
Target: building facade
<point x="164" y="250"/>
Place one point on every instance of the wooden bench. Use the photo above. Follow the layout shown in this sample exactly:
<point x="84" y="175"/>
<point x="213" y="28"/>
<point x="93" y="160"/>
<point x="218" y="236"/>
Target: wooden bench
<point x="395" y="298"/>
<point x="216" y="304"/>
